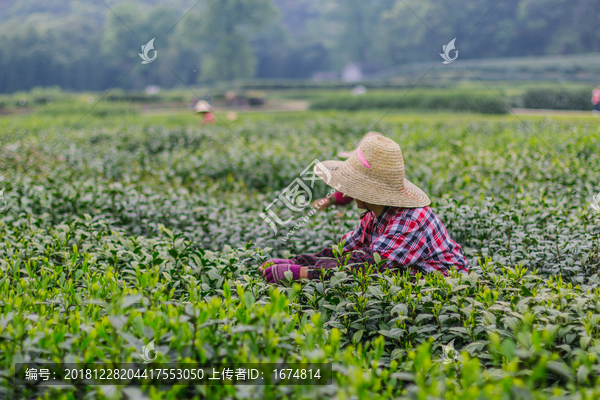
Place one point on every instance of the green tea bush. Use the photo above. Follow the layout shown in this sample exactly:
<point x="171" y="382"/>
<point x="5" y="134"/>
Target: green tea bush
<point x="121" y="232"/>
<point x="102" y="109"/>
<point x="299" y="84"/>
<point x="134" y="97"/>
<point x="36" y="96"/>
<point x="453" y="101"/>
<point x="558" y="99"/>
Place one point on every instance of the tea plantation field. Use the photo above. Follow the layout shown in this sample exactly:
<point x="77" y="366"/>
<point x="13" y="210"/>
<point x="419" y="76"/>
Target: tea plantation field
<point x="125" y="228"/>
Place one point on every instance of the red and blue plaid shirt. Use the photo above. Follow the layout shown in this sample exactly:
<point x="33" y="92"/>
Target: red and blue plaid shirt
<point x="412" y="238"/>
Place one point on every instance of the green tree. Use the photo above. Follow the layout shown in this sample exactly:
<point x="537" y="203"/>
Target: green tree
<point x="226" y="26"/>
<point x="353" y="29"/>
<point x="124" y="35"/>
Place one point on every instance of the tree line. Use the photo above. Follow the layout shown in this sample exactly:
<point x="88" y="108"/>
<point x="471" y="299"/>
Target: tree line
<point x="81" y="46"/>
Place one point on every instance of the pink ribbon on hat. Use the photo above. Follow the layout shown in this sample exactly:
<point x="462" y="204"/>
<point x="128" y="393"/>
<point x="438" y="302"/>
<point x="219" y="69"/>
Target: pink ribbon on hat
<point x="362" y="158"/>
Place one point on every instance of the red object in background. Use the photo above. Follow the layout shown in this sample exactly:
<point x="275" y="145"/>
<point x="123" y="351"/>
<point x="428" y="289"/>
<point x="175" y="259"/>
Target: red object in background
<point x="596" y="96"/>
<point x="340" y="199"/>
<point x="209" y="118"/>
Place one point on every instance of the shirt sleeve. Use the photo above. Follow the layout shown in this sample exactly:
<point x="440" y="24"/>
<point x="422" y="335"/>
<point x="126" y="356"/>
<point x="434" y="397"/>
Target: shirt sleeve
<point x="311" y="259"/>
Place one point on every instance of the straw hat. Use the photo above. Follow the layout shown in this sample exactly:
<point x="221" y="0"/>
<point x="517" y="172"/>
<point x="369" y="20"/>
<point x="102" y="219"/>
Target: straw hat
<point x="346" y="154"/>
<point x="202" y="107"/>
<point x="374" y="173"/>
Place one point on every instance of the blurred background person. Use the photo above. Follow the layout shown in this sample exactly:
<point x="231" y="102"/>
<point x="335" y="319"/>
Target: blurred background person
<point x="208" y="117"/>
<point x="596" y="100"/>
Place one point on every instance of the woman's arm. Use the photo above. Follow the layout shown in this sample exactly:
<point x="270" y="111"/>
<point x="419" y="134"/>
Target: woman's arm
<point x="356" y="261"/>
<point x="311" y="259"/>
<point x="311" y="264"/>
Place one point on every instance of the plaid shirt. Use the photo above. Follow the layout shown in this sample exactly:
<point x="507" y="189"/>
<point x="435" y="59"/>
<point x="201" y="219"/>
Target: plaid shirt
<point x="412" y="238"/>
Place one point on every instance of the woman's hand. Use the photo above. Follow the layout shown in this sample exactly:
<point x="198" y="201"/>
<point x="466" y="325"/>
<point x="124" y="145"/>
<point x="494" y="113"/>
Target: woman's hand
<point x="322" y="204"/>
<point x="274" y="261"/>
<point x="276" y="272"/>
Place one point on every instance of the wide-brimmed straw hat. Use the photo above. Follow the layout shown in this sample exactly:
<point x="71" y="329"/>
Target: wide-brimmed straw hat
<point x="202" y="107"/>
<point x="346" y="154"/>
<point x="374" y="173"/>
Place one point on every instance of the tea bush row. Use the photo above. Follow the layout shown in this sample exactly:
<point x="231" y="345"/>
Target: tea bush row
<point x="558" y="99"/>
<point x="452" y="100"/>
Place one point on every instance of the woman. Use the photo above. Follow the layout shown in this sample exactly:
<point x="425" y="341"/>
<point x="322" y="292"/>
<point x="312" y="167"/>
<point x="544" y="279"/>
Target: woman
<point x="397" y="223"/>
<point x="596" y="100"/>
<point x="203" y="108"/>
